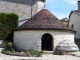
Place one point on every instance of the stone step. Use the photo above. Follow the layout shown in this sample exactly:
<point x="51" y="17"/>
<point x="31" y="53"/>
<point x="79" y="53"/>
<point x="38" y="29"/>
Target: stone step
<point x="48" y="52"/>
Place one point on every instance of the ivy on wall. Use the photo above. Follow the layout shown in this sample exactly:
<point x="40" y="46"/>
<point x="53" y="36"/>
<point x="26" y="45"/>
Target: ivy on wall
<point x="8" y="21"/>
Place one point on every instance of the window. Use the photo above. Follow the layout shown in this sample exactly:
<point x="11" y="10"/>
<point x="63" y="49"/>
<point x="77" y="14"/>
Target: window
<point x="72" y="26"/>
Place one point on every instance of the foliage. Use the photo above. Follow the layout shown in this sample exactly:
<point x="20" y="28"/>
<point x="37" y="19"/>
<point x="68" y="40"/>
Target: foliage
<point x="31" y="52"/>
<point x="35" y="53"/>
<point x="9" y="48"/>
<point x="10" y="45"/>
<point x="40" y="53"/>
<point x="8" y="21"/>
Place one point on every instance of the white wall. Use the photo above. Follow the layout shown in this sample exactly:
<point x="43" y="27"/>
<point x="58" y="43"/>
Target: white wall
<point x="40" y="5"/>
<point x="66" y="23"/>
<point x="75" y="19"/>
<point x="27" y="39"/>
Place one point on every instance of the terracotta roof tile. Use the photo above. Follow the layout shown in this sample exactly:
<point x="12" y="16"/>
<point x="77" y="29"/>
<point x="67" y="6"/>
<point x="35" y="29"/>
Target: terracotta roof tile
<point x="43" y="20"/>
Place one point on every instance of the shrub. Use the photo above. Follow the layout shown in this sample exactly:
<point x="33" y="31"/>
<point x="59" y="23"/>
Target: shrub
<point x="31" y="52"/>
<point x="35" y="53"/>
<point x="9" y="48"/>
<point x="10" y="45"/>
<point x="8" y="21"/>
<point x="40" y="53"/>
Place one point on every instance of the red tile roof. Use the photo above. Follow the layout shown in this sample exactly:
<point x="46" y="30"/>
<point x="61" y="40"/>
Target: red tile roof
<point x="43" y="20"/>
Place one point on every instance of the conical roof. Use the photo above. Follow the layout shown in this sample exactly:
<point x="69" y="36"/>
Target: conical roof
<point x="43" y="20"/>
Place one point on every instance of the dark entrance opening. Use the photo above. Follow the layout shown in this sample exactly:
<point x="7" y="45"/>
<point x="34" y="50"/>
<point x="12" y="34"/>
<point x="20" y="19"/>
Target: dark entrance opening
<point x="47" y="42"/>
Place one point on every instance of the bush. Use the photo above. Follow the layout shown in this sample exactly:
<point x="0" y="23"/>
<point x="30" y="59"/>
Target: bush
<point x="40" y="53"/>
<point x="8" y="21"/>
<point x="10" y="45"/>
<point x="9" y="48"/>
<point x="35" y="53"/>
<point x="31" y="52"/>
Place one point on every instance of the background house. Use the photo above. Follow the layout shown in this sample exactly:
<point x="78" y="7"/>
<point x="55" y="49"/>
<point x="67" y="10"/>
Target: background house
<point x="25" y="9"/>
<point x="74" y="23"/>
<point x="65" y="21"/>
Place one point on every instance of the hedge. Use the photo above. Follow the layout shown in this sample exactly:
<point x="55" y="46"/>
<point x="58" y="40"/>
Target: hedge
<point x="8" y="21"/>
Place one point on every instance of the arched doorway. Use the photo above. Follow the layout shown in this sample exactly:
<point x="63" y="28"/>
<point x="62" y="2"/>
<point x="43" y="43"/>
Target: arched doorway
<point x="47" y="42"/>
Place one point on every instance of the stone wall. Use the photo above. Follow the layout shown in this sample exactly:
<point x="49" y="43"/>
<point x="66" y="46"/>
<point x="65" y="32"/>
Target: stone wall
<point x="29" y="39"/>
<point x="21" y="7"/>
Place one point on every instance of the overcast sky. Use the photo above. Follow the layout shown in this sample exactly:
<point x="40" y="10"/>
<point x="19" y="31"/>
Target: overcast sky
<point x="61" y="8"/>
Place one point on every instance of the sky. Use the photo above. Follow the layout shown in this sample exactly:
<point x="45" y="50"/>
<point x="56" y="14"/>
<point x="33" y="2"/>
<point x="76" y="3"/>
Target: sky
<point x="61" y="8"/>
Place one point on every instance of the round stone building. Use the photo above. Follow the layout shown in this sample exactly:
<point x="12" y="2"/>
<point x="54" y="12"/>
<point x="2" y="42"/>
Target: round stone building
<point x="41" y="32"/>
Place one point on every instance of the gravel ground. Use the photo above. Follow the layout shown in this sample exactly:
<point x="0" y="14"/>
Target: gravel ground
<point x="45" y="57"/>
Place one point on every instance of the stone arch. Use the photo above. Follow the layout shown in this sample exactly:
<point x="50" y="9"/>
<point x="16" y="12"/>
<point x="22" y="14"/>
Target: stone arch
<point x="47" y="42"/>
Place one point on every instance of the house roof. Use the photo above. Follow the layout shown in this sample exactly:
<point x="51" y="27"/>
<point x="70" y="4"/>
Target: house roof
<point x="43" y="20"/>
<point x="64" y="20"/>
<point x="74" y="11"/>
